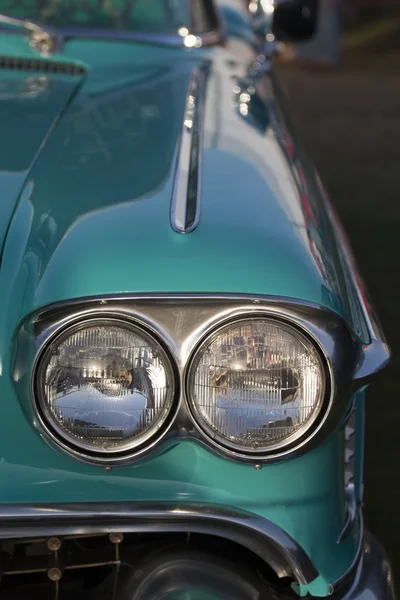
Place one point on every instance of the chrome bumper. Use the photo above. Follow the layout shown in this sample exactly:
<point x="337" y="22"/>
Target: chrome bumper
<point x="372" y="579"/>
<point x="262" y="537"/>
<point x="369" y="579"/>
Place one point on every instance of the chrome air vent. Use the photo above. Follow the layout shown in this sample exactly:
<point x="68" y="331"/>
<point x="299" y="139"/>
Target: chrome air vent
<point x="354" y="450"/>
<point x="350" y="449"/>
<point x="353" y="458"/>
<point x="34" y="65"/>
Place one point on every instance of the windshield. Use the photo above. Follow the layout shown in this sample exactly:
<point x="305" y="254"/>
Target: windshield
<point x="152" y="16"/>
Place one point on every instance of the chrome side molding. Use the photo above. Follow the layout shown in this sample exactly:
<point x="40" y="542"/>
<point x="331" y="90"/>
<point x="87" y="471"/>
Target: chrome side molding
<point x="374" y="355"/>
<point x="258" y="535"/>
<point x="185" y="204"/>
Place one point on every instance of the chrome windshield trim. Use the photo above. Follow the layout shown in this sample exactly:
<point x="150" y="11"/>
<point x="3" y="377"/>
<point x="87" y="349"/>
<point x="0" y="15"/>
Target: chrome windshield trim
<point x="280" y="551"/>
<point x="209" y="38"/>
<point x="185" y="204"/>
<point x="43" y="37"/>
<point x="29" y="25"/>
<point x="64" y="34"/>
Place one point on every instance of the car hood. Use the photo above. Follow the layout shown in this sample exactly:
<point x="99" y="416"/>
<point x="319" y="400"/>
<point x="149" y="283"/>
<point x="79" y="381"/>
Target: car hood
<point x="93" y="214"/>
<point x="30" y="107"/>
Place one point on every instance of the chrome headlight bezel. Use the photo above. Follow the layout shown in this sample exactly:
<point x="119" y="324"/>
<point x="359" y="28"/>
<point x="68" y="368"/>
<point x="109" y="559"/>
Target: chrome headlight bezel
<point x="180" y="323"/>
<point x="300" y="437"/>
<point x="84" y="451"/>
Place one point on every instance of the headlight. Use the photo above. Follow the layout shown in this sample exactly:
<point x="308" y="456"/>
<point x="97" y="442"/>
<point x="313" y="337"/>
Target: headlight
<point x="104" y="386"/>
<point x="256" y="385"/>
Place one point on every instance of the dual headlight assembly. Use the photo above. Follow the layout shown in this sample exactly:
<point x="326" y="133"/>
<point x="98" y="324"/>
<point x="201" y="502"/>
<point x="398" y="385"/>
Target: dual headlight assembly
<point x="108" y="388"/>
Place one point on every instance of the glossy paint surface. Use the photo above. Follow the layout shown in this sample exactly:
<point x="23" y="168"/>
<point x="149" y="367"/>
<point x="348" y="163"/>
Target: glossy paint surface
<point x="29" y="109"/>
<point x="86" y="212"/>
<point x="108" y="168"/>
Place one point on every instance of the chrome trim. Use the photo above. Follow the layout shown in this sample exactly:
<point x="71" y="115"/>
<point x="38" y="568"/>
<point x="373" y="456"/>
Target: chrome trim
<point x="182" y="321"/>
<point x="209" y="38"/>
<point x="41" y="66"/>
<point x="185" y="203"/>
<point x="371" y="577"/>
<point x="350" y="436"/>
<point x="351" y="516"/>
<point x="42" y="37"/>
<point x="259" y="535"/>
<point x="61" y="436"/>
<point x="375" y="356"/>
<point x="348" y="577"/>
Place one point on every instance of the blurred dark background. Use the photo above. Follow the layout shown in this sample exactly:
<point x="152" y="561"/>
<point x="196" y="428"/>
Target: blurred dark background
<point x="346" y="108"/>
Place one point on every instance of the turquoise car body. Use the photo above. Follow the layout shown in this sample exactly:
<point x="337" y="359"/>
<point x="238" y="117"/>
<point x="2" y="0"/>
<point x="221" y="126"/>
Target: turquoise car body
<point x="88" y="164"/>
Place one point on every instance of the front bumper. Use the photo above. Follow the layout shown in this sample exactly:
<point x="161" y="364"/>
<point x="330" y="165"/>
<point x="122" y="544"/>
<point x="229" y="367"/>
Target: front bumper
<point x="194" y="575"/>
<point x="372" y="579"/>
<point x="193" y="564"/>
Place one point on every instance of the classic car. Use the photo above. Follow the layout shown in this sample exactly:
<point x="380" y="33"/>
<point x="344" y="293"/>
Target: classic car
<point x="185" y="341"/>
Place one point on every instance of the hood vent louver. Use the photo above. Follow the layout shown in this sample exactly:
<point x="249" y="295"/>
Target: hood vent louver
<point x="40" y="66"/>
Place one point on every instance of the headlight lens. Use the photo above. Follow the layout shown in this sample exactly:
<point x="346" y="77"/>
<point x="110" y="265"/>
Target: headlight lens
<point x="105" y="387"/>
<point x="256" y="385"/>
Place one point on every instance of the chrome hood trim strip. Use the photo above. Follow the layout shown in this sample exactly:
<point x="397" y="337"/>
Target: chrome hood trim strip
<point x="185" y="205"/>
<point x="259" y="535"/>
